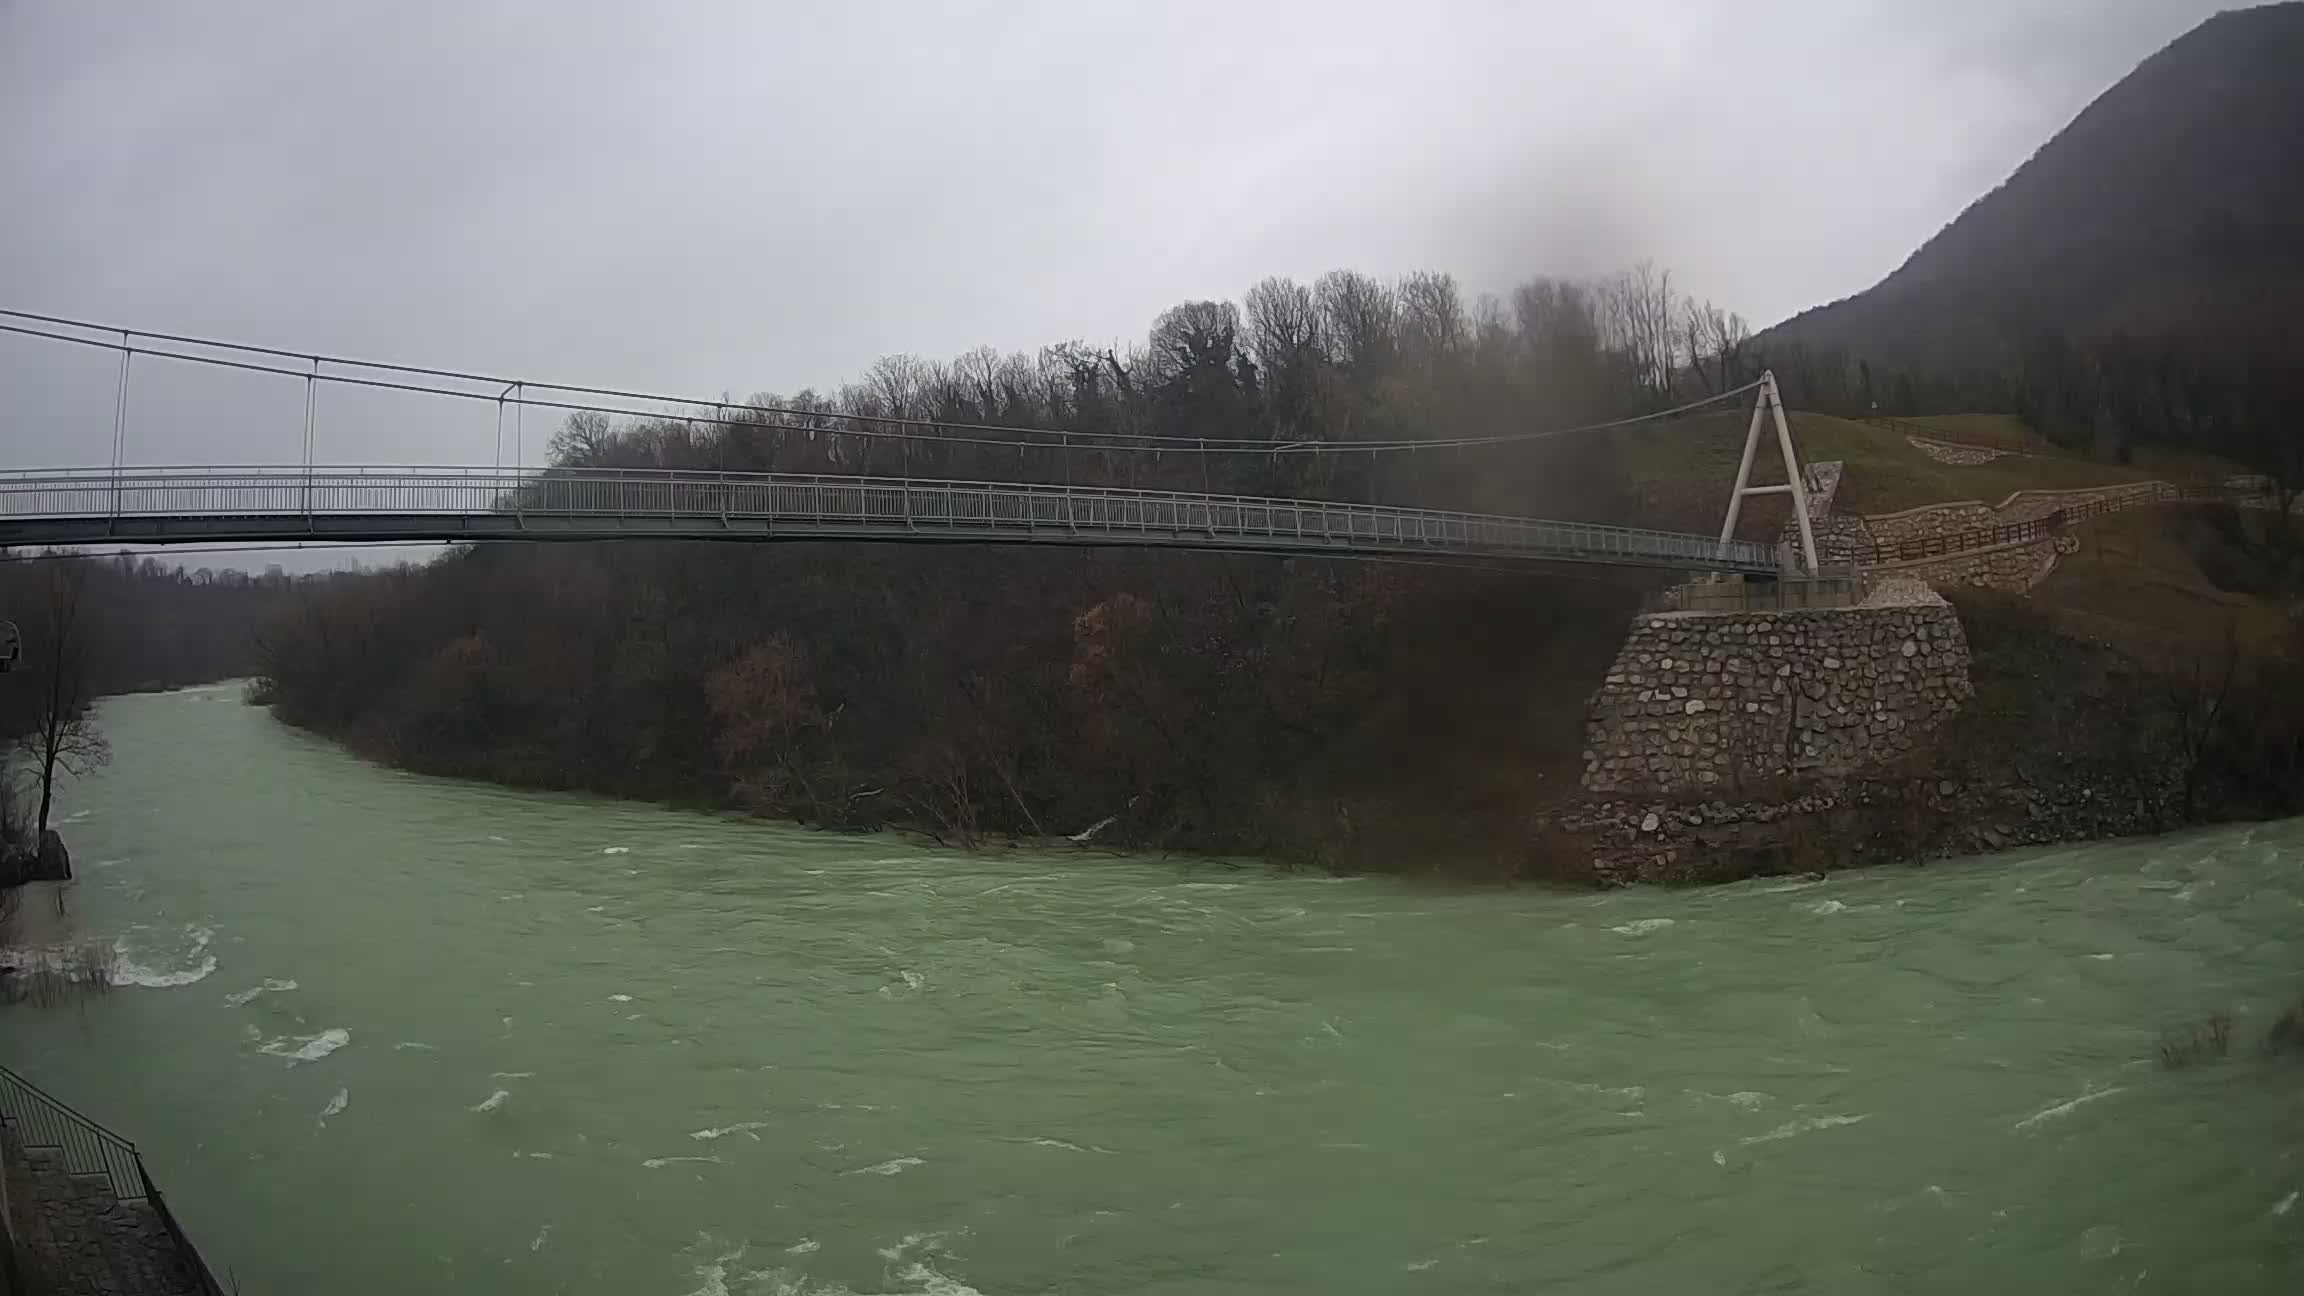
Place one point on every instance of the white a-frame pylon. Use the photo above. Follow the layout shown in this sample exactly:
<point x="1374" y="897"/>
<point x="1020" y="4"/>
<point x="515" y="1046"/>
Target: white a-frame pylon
<point x="1770" y="404"/>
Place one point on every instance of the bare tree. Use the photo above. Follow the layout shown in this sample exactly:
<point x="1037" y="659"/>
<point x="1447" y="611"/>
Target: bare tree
<point x="584" y="440"/>
<point x="64" y="736"/>
<point x="1359" y="319"/>
<point x="1284" y="336"/>
<point x="1638" y="319"/>
<point x="2197" y="692"/>
<point x="1432" y="319"/>
<point x="1714" y="341"/>
<point x="1283" y="326"/>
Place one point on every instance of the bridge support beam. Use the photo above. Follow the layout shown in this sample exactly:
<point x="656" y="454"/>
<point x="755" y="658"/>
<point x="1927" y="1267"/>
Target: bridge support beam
<point x="1771" y="404"/>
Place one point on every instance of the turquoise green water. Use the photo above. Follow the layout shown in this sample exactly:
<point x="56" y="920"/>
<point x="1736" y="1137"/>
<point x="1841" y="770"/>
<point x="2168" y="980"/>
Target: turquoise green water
<point x="400" y="1035"/>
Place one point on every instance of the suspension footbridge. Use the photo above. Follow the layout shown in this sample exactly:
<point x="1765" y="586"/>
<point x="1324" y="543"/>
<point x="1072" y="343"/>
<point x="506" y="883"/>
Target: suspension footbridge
<point x="125" y="503"/>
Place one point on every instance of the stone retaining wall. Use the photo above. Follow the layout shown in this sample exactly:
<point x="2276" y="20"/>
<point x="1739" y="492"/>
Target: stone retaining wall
<point x="1931" y="520"/>
<point x="1698" y="703"/>
<point x="2010" y="568"/>
<point x="1840" y="537"/>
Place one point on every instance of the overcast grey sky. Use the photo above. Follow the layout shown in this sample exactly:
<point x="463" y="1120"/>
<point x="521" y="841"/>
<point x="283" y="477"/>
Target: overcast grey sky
<point x="735" y="197"/>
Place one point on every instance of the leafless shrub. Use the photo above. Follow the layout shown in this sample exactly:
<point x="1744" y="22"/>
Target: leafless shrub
<point x="60" y="974"/>
<point x="2196" y="1042"/>
<point x="2287" y="1033"/>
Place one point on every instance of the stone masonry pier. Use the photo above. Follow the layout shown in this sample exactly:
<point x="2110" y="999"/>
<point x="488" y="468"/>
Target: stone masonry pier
<point x="1700" y="703"/>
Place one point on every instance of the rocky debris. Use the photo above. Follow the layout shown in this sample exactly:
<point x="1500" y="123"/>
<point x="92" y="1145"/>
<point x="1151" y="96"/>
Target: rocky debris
<point x="1901" y="591"/>
<point x="1960" y="456"/>
<point x="1833" y="824"/>
<point x="53" y="863"/>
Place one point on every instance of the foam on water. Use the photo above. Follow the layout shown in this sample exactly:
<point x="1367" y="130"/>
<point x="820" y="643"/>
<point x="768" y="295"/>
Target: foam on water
<point x="1795" y="1128"/>
<point x="309" y="1048"/>
<point x="1641" y="926"/>
<point x="491" y="1102"/>
<point x="723" y="1131"/>
<point x="1072" y="1147"/>
<point x="896" y="1166"/>
<point x="335" y="1105"/>
<point x="2066" y="1108"/>
<point x="271" y="985"/>
<point x="132" y="973"/>
<point x="129" y="970"/>
<point x="1748" y="1099"/>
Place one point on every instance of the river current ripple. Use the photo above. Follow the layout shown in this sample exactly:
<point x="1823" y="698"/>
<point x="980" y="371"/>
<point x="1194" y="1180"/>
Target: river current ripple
<point x="381" y="1033"/>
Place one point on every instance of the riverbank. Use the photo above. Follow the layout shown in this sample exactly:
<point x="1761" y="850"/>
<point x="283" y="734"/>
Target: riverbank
<point x="1348" y="716"/>
<point x="2064" y="740"/>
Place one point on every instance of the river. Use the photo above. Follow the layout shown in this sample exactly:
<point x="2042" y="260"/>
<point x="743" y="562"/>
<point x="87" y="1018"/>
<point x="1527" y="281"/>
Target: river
<point x="390" y="1034"/>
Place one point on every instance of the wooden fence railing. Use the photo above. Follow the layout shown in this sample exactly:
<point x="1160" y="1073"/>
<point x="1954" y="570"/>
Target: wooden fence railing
<point x="1953" y="543"/>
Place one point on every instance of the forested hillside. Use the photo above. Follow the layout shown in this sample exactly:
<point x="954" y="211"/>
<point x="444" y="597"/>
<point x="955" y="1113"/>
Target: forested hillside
<point x="148" y="623"/>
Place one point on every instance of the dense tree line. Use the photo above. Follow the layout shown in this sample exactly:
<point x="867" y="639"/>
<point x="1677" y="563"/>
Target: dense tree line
<point x="1299" y="374"/>
<point x="2229" y="386"/>
<point x="1218" y="702"/>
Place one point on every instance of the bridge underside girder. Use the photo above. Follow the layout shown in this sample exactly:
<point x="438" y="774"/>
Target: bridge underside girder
<point x="372" y="528"/>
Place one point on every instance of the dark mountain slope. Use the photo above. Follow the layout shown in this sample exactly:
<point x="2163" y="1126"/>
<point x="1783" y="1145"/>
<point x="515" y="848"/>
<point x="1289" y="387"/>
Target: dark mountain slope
<point x="2174" y="204"/>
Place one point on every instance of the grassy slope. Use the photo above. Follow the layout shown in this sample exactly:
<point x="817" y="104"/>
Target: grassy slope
<point x="2166" y="584"/>
<point x="2137" y="582"/>
<point x="2006" y="426"/>
<point x="1681" y="470"/>
<point x="2152" y="461"/>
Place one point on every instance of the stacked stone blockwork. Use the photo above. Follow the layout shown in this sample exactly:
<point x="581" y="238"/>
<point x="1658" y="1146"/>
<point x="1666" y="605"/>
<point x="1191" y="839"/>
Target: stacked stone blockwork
<point x="1703" y="703"/>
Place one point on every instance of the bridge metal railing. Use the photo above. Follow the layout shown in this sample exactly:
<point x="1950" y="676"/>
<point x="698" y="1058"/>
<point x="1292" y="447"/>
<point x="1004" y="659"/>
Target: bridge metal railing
<point x="633" y="499"/>
<point x="40" y="1124"/>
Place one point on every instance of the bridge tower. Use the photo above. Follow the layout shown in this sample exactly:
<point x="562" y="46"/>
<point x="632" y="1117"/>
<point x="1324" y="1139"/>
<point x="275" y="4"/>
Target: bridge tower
<point x="1770" y="404"/>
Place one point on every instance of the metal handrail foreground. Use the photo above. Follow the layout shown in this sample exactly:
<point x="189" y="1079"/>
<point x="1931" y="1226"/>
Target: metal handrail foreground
<point x="39" y="1122"/>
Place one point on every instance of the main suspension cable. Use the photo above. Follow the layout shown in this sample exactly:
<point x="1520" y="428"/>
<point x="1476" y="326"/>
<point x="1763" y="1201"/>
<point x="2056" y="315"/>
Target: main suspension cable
<point x="818" y="422"/>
